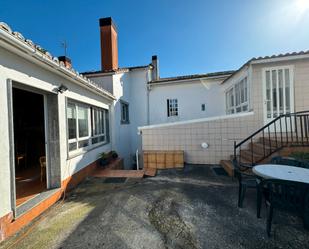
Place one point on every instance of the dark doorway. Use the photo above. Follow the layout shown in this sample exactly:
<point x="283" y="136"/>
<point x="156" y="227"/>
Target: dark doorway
<point x="29" y="142"/>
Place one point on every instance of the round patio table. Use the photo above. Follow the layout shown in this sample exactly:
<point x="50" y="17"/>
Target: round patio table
<point x="282" y="172"/>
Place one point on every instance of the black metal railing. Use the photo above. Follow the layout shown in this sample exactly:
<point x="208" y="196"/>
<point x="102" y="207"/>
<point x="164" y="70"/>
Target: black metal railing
<point x="290" y="129"/>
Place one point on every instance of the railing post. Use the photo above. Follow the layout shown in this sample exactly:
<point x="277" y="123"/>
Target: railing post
<point x="235" y="157"/>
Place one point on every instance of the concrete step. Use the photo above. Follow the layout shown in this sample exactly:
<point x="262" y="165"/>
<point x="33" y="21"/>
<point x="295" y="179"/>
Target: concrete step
<point x="150" y="172"/>
<point x="247" y="155"/>
<point x="259" y="148"/>
<point x="227" y="165"/>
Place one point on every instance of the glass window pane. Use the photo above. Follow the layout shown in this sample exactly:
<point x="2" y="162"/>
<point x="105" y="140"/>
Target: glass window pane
<point x="287" y="90"/>
<point x="83" y="121"/>
<point x="245" y="90"/>
<point x="71" y="114"/>
<point x="72" y="146"/>
<point x="268" y="97"/>
<point x="280" y="84"/>
<point x="106" y="123"/>
<point x="83" y="143"/>
<point x="274" y="92"/>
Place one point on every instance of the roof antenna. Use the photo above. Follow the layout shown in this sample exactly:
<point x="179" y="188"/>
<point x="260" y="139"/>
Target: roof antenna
<point x="65" y="47"/>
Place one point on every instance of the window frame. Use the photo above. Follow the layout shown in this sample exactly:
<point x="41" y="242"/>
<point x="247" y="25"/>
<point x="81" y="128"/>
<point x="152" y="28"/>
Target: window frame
<point x="126" y="120"/>
<point x="237" y="97"/>
<point x="172" y="107"/>
<point x="90" y="121"/>
<point x="104" y="133"/>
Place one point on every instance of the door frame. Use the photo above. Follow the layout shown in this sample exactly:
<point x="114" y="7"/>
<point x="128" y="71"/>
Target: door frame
<point x="292" y="104"/>
<point x="15" y="84"/>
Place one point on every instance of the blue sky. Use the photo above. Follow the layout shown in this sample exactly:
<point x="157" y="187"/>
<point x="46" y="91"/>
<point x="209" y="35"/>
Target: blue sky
<point x="189" y="37"/>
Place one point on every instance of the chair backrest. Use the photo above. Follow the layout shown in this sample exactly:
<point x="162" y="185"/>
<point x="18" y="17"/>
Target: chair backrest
<point x="290" y="161"/>
<point x="286" y="195"/>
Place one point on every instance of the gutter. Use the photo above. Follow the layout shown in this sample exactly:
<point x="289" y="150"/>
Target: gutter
<point x="186" y="80"/>
<point x="52" y="65"/>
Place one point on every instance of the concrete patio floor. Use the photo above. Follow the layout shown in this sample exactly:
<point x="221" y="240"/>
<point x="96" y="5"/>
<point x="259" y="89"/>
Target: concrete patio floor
<point x="191" y="208"/>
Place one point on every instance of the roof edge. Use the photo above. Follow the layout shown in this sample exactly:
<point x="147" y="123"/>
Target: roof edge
<point x="16" y="40"/>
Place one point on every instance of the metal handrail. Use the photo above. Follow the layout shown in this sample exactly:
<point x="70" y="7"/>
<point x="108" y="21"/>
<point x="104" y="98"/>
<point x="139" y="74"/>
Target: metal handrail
<point x="279" y="123"/>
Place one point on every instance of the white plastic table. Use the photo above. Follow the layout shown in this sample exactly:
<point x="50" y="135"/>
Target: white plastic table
<point x="283" y="172"/>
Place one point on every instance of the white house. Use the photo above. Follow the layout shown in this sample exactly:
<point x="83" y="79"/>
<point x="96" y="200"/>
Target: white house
<point x="53" y="124"/>
<point x="143" y="98"/>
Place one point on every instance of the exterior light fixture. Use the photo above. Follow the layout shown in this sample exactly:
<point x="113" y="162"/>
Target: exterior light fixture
<point x="204" y="145"/>
<point x="62" y="89"/>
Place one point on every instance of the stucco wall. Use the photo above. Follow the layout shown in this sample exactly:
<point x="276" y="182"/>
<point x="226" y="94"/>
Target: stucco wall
<point x="31" y="75"/>
<point x="130" y="87"/>
<point x="190" y="95"/>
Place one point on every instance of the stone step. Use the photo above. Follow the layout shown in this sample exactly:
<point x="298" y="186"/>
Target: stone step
<point x="150" y="172"/>
<point x="227" y="165"/>
<point x="247" y="155"/>
<point x="259" y="148"/>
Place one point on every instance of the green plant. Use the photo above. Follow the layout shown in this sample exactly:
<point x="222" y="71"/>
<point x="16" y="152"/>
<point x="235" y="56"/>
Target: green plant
<point x="300" y="155"/>
<point x="114" y="154"/>
<point x="104" y="155"/>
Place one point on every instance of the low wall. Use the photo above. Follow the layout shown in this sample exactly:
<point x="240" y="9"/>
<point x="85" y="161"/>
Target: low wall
<point x="218" y="132"/>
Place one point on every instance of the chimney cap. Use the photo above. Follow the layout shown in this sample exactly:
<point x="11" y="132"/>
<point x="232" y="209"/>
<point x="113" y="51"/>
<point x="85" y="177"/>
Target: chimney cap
<point x="154" y="57"/>
<point x="107" y="21"/>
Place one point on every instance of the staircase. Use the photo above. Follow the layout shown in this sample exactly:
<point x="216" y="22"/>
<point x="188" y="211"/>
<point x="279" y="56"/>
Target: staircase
<point x="287" y="130"/>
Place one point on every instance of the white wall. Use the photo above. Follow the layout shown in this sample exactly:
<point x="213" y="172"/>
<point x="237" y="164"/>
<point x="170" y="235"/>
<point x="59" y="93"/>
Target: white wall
<point x="32" y="75"/>
<point x="190" y="95"/>
<point x="130" y="87"/>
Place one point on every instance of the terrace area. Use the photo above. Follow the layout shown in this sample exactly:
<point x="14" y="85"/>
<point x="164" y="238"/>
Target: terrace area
<point x="194" y="207"/>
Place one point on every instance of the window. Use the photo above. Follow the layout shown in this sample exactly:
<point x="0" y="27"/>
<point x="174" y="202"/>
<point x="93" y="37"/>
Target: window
<point x="236" y="98"/>
<point x="124" y="113"/>
<point x="86" y="126"/>
<point x="99" y="125"/>
<point x="172" y="107"/>
<point x="203" y="107"/>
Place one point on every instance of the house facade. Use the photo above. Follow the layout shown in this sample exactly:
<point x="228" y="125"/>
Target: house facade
<point x="257" y="93"/>
<point x="54" y="123"/>
<point x="144" y="98"/>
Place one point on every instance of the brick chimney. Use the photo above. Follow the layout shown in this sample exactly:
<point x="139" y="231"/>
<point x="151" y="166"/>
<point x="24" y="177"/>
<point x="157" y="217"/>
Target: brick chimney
<point x="109" y="44"/>
<point x="66" y="60"/>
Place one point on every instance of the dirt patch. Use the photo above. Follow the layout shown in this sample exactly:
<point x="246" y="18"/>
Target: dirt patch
<point x="164" y="216"/>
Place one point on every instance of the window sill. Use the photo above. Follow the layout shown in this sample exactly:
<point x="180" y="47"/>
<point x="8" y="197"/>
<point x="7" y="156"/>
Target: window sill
<point x="124" y="122"/>
<point x="72" y="155"/>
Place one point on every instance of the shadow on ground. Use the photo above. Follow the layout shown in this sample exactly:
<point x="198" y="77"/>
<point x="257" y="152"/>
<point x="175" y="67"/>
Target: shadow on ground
<point x="191" y="208"/>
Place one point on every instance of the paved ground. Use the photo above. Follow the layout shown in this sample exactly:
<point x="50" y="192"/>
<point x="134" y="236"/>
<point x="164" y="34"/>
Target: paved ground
<point x="177" y="209"/>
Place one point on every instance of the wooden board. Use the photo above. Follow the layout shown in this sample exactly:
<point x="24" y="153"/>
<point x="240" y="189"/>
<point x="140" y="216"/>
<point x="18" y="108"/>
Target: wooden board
<point x="155" y="159"/>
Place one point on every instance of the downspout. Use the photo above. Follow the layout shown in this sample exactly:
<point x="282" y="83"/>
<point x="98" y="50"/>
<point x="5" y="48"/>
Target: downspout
<point x="148" y="97"/>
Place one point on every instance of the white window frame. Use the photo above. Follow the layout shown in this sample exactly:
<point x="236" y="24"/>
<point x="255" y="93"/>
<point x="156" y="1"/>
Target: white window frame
<point x="104" y="128"/>
<point x="236" y="91"/>
<point x="291" y="69"/>
<point x="90" y="136"/>
<point x="172" y="107"/>
<point x="125" y="120"/>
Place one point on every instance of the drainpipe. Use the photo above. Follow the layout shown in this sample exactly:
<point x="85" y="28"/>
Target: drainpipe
<point x="148" y="93"/>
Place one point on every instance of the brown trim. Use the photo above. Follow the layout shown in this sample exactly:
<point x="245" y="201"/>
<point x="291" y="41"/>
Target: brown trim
<point x="9" y="226"/>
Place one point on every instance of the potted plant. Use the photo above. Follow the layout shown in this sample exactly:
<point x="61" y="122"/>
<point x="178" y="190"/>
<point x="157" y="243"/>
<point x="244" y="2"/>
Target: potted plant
<point x="114" y="154"/>
<point x="104" y="159"/>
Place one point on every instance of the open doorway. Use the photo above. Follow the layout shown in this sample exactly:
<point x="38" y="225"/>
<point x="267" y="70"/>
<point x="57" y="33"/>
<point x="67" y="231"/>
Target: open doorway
<point x="29" y="143"/>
